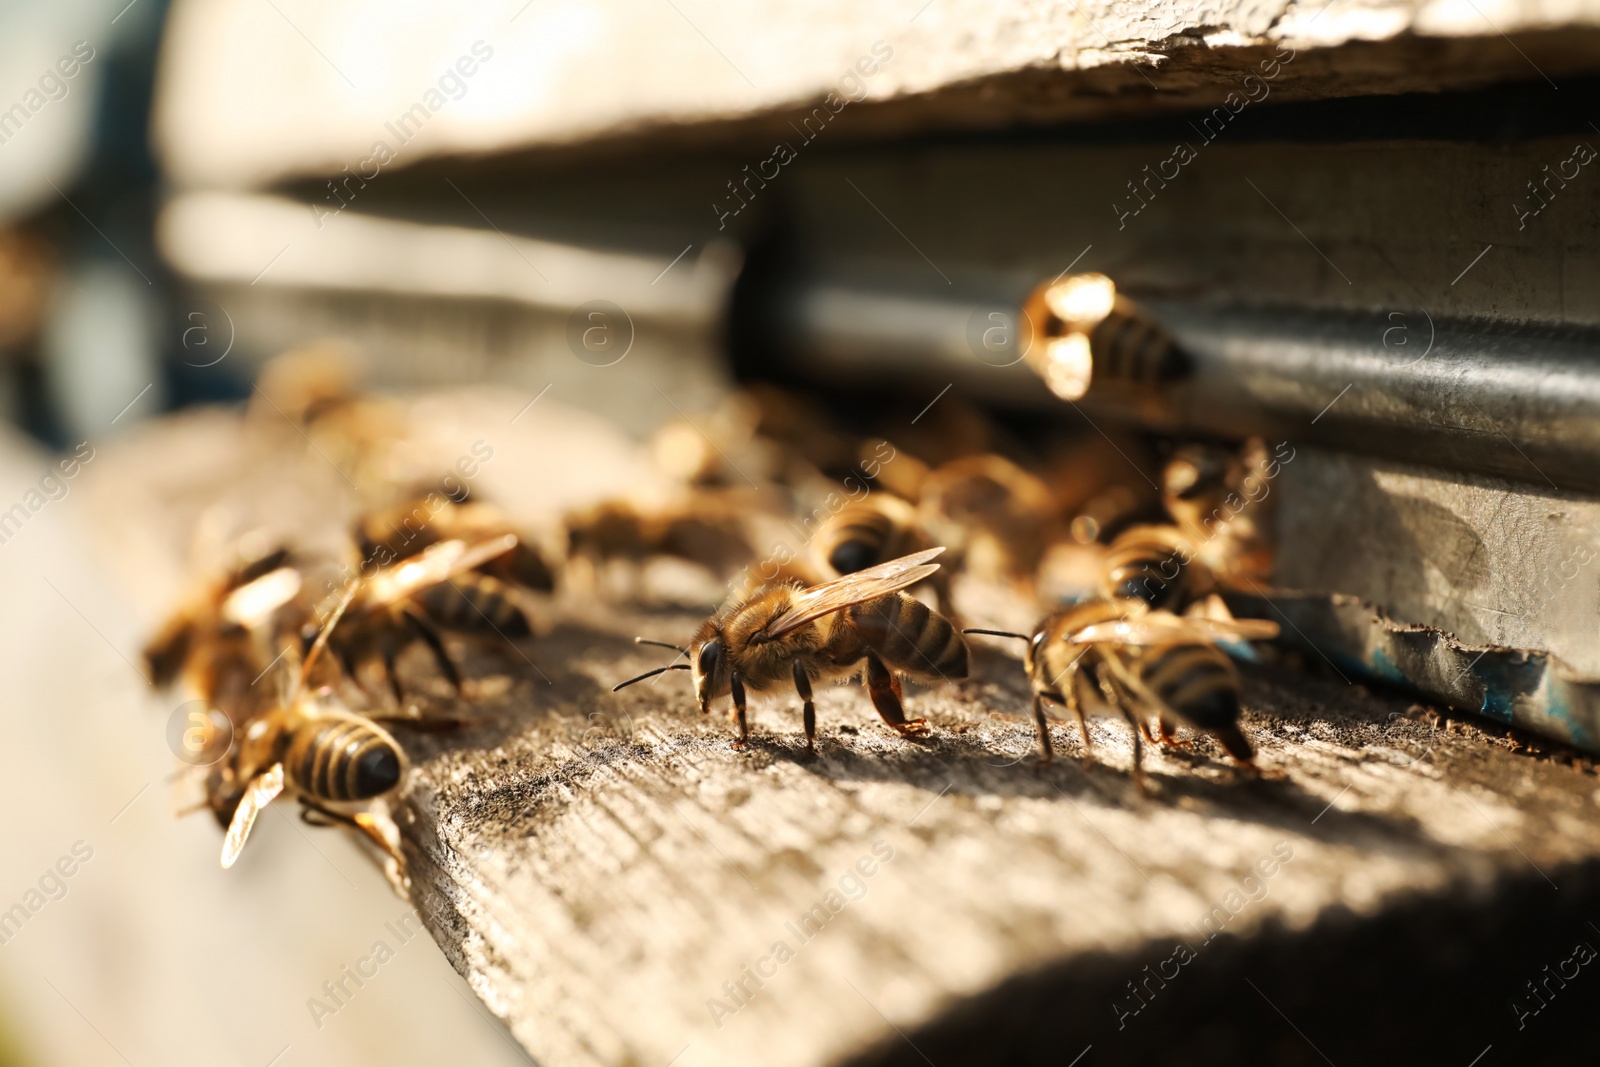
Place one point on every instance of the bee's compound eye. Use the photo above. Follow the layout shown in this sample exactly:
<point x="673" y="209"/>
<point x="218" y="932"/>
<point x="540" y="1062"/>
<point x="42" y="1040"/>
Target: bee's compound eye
<point x="377" y="771"/>
<point x="710" y="657"/>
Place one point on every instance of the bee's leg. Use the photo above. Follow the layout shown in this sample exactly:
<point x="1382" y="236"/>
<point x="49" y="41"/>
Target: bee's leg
<point x="382" y="831"/>
<point x="1078" y="692"/>
<point x="346" y="660"/>
<point x="1124" y="691"/>
<point x="389" y="651"/>
<point x="323" y="817"/>
<point x="367" y="825"/>
<point x="802" y="685"/>
<point x="1138" y="748"/>
<point x="441" y="655"/>
<point x="884" y="689"/>
<point x="1045" y="752"/>
<point x="1129" y="704"/>
<point x="1123" y="703"/>
<point x="737" y="685"/>
<point x="1144" y="728"/>
<point x="1165" y="736"/>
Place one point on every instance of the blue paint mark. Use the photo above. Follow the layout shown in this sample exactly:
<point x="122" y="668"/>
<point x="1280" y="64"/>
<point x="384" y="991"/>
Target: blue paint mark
<point x="1386" y="668"/>
<point x="1559" y="713"/>
<point x="1506" y="677"/>
<point x="1496" y="705"/>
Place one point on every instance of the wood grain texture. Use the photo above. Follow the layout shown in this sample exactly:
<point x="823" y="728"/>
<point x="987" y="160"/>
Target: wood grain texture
<point x="599" y="867"/>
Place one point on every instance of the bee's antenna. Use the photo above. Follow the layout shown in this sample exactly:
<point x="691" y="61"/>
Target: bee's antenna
<point x="650" y="674"/>
<point x="660" y="644"/>
<point x="997" y="633"/>
<point x="322" y="636"/>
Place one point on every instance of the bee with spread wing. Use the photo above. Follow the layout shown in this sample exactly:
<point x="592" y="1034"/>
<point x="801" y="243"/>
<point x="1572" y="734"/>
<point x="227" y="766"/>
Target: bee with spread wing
<point x="391" y="612"/>
<point x="307" y="745"/>
<point x="859" y="623"/>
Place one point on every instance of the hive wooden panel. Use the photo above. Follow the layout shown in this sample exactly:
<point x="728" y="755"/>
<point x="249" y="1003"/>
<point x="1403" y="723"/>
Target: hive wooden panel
<point x="250" y="94"/>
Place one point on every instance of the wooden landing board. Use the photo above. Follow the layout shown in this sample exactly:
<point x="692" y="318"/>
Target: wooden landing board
<point x="621" y="886"/>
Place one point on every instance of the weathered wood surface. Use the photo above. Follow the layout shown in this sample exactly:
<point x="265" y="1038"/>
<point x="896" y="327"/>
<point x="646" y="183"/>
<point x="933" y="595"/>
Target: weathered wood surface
<point x="603" y="869"/>
<point x="251" y="95"/>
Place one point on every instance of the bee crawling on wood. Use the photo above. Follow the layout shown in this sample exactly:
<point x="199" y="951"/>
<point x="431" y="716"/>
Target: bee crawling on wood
<point x="858" y="624"/>
<point x="218" y="640"/>
<point x="401" y="531"/>
<point x="1130" y="659"/>
<point x="1220" y="536"/>
<point x="1218" y="497"/>
<point x="393" y="608"/>
<point x="708" y="529"/>
<point x="316" y="750"/>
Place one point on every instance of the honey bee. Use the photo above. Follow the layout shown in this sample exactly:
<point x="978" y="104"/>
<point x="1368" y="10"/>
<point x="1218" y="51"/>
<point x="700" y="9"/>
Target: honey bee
<point x="475" y="601"/>
<point x="1155" y="564"/>
<point x="860" y="623"/>
<point x="401" y="531"/>
<point x="399" y="603"/>
<point x="1122" y="655"/>
<point x="995" y="516"/>
<point x="1218" y="498"/>
<point x="1092" y="333"/>
<point x="316" y="389"/>
<point x="759" y="434"/>
<point x="217" y="640"/>
<point x="874" y="530"/>
<point x="313" y="748"/>
<point x="706" y="530"/>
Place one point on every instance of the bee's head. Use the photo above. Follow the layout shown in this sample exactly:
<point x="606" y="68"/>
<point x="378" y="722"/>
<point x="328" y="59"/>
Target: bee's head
<point x="1197" y="474"/>
<point x="1035" y="647"/>
<point x="712" y="675"/>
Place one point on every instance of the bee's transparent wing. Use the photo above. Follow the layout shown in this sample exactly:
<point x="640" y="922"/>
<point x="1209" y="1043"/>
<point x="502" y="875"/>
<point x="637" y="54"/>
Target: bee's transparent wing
<point x="252" y="604"/>
<point x="1165" y="628"/>
<point x="262" y="791"/>
<point x="438" y="563"/>
<point x="841" y="593"/>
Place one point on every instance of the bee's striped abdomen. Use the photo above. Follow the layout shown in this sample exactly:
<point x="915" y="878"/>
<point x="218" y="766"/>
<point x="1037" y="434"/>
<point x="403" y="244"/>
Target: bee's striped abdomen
<point x="869" y="532"/>
<point x="475" y="603"/>
<point x="911" y="637"/>
<point x="343" y="758"/>
<point x="1199" y="683"/>
<point x="1128" y="346"/>
<point x="858" y="539"/>
<point x="1148" y="569"/>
